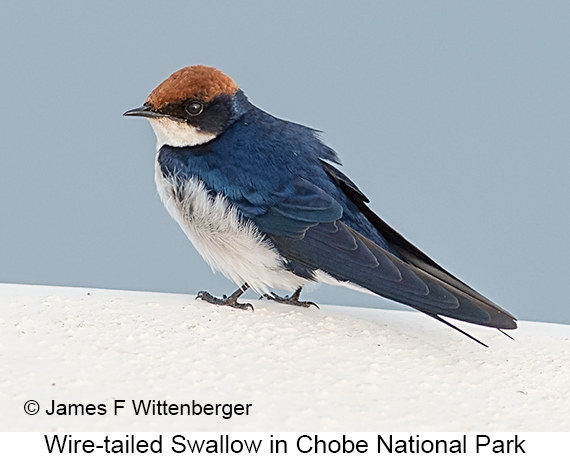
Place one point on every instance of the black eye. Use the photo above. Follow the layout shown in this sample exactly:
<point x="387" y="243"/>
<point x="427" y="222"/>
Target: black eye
<point x="194" y="108"/>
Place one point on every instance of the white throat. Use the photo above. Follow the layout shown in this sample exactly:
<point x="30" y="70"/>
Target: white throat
<point x="177" y="134"/>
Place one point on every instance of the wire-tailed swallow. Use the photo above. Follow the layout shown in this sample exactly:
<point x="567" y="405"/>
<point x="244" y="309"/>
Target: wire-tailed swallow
<point x="263" y="201"/>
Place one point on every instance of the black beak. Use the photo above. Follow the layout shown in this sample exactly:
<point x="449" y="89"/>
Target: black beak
<point x="143" y="111"/>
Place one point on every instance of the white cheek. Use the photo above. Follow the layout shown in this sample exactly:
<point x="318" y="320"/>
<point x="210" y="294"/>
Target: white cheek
<point x="177" y="134"/>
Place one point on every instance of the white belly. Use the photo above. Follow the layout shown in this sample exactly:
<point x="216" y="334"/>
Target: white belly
<point x="226" y="242"/>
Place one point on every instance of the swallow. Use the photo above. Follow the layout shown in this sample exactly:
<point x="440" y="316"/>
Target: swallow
<point x="263" y="201"/>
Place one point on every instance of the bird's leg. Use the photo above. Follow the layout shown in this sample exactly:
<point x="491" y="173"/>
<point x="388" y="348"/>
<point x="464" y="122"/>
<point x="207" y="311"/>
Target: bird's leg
<point x="225" y="300"/>
<point x="293" y="299"/>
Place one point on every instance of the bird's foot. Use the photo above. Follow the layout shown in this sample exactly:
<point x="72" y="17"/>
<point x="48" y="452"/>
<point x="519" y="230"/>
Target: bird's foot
<point x="292" y="299"/>
<point x="225" y="300"/>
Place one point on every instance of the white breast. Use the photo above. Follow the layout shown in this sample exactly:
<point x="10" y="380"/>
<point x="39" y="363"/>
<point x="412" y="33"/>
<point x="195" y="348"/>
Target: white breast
<point x="226" y="242"/>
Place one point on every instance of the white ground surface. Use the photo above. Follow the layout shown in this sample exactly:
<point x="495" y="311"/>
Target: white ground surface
<point x="333" y="369"/>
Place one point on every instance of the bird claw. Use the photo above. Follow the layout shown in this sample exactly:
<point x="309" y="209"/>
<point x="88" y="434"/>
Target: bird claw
<point x="293" y="299"/>
<point x="225" y="301"/>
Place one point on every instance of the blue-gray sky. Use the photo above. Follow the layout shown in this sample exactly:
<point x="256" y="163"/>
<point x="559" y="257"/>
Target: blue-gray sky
<point x="453" y="117"/>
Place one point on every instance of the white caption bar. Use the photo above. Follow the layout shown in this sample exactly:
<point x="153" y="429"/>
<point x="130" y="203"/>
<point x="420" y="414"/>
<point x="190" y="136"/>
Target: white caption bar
<point x="286" y="443"/>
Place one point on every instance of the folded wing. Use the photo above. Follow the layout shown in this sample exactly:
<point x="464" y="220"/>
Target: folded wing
<point x="306" y="227"/>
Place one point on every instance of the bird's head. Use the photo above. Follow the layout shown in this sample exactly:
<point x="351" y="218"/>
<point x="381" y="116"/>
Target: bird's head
<point x="192" y="106"/>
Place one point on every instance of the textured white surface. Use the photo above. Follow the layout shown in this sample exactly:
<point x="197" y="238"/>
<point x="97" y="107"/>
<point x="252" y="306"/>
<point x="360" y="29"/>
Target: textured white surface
<point x="333" y="369"/>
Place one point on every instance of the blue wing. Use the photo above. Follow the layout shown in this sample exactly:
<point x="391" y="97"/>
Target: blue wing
<point x="307" y="227"/>
<point x="306" y="206"/>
